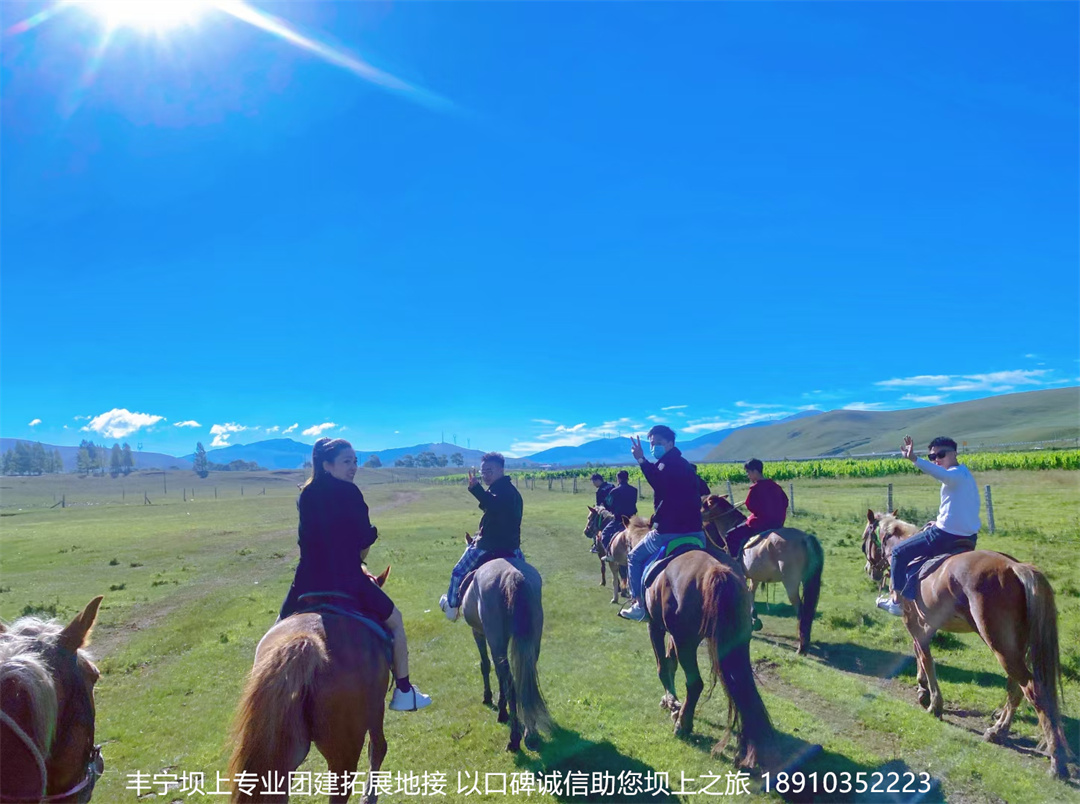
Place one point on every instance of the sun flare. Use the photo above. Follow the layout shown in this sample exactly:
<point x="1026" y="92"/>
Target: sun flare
<point x="148" y="15"/>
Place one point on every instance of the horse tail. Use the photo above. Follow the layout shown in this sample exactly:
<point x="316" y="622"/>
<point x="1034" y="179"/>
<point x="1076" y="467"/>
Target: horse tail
<point x="811" y="592"/>
<point x="527" y="626"/>
<point x="1043" y="648"/>
<point x="727" y="627"/>
<point x="270" y="719"/>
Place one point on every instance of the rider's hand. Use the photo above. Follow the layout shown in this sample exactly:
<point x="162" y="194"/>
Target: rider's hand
<point x="636" y="450"/>
<point x="472" y="478"/>
<point x="908" y="449"/>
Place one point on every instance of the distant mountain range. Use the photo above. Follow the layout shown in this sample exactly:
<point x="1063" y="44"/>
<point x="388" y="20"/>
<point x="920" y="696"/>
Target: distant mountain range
<point x="1030" y="416"/>
<point x="1010" y="418"/>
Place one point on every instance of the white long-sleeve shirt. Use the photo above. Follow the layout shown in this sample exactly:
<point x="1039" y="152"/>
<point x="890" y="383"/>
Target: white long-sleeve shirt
<point x="959" y="511"/>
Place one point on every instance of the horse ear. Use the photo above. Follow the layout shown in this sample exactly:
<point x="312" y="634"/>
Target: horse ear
<point x="895" y="511"/>
<point x="591" y="509"/>
<point x="625" y="521"/>
<point x="77" y="634"/>
<point x="468" y="538"/>
<point x="870" y="516"/>
<point x="380" y="579"/>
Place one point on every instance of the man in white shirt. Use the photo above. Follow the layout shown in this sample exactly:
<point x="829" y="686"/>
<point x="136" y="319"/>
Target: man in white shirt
<point x="958" y="516"/>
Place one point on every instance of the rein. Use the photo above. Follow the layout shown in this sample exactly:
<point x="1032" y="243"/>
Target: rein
<point x="94" y="768"/>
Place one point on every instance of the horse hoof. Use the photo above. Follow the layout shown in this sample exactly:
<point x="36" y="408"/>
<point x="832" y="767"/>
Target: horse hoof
<point x="503" y="717"/>
<point x="682" y="729"/>
<point x="513" y="746"/>
<point x="757" y="625"/>
<point x="532" y="741"/>
<point x="924" y="699"/>
<point x="1059" y="770"/>
<point x="992" y="736"/>
<point x="488" y="701"/>
<point x="801" y="651"/>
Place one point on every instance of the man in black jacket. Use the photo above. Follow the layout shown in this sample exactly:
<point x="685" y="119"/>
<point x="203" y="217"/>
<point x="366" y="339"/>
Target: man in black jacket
<point x="499" y="534"/>
<point x="621" y="501"/>
<point x="603" y="488"/>
<point x="677" y="493"/>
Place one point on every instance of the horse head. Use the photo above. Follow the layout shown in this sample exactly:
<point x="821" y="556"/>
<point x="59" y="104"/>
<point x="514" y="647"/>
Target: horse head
<point x="379" y="579"/>
<point x="47" y="710"/>
<point x="880" y="531"/>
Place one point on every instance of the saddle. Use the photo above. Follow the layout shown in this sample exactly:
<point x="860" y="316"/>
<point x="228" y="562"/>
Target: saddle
<point x="673" y="549"/>
<point x="344" y="605"/>
<point x="490" y="556"/>
<point x="920" y="568"/>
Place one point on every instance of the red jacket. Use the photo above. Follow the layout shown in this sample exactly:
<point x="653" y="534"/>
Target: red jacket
<point x="767" y="504"/>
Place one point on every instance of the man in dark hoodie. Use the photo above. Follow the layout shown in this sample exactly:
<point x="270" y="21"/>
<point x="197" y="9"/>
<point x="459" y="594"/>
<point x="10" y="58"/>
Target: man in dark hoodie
<point x="499" y="534"/>
<point x="677" y="492"/>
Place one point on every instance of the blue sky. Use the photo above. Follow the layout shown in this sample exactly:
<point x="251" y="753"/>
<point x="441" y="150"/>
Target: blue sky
<point x="530" y="224"/>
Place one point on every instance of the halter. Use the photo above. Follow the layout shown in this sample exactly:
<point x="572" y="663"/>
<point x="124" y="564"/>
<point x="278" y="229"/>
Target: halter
<point x="95" y="766"/>
<point x="881" y="562"/>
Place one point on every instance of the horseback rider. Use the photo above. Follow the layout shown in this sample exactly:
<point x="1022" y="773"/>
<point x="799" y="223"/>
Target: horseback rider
<point x="958" y="515"/>
<point x="499" y="534"/>
<point x="677" y="491"/>
<point x="767" y="504"/>
<point x="335" y="535"/>
<point x="603" y="488"/>
<point x="621" y="501"/>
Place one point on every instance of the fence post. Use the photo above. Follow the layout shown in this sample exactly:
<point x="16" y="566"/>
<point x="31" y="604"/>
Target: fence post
<point x="575" y="485"/>
<point x="185" y="493"/>
<point x="241" y="491"/>
<point x="215" y="492"/>
<point x="63" y="501"/>
<point x="550" y="481"/>
<point x="730" y="493"/>
<point x="791" y="488"/>
<point x="562" y="484"/>
<point x="121" y="495"/>
<point x="989" y="509"/>
<point x="888" y="501"/>
<point x="640" y="496"/>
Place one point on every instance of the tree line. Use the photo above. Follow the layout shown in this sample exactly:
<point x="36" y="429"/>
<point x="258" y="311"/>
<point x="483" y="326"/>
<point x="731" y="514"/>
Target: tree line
<point x="202" y="466"/>
<point x="428" y="459"/>
<point x="33" y="459"/>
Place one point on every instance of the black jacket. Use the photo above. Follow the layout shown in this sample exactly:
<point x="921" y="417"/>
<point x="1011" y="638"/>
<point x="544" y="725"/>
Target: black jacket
<point x="603" y="492"/>
<point x="500" y="526"/>
<point x="622" y="500"/>
<point x="676" y="493"/>
<point x="335" y="527"/>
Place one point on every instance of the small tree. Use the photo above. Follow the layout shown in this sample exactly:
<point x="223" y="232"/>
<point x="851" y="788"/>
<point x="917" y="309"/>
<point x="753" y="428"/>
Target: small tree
<point x="116" y="460"/>
<point x="58" y="462"/>
<point x="457" y="459"/>
<point x="440" y="460"/>
<point x="127" y="460"/>
<point x="9" y="463"/>
<point x="200" y="465"/>
<point x="82" y="461"/>
<point x="373" y="462"/>
<point x="407" y="461"/>
<point x="37" y="459"/>
<point x="23" y="462"/>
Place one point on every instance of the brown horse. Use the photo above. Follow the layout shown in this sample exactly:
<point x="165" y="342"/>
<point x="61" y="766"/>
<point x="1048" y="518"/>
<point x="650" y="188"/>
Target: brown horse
<point x="785" y="555"/>
<point x="318" y="678"/>
<point x="503" y="606"/>
<point x="598" y="517"/>
<point x="1008" y="603"/>
<point x="47" y="750"/>
<point x="634" y="530"/>
<point x="699" y="597"/>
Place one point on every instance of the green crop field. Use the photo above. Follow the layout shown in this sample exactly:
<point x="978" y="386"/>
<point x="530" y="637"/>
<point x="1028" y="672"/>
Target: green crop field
<point x="191" y="585"/>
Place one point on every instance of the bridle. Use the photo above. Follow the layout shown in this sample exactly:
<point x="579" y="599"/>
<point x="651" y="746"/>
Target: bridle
<point x="875" y="558"/>
<point x="95" y="766"/>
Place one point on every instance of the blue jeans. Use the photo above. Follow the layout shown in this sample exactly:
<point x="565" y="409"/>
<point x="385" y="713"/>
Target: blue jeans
<point x="929" y="541"/>
<point x="472" y="558"/>
<point x="609" y="531"/>
<point x="644" y="551"/>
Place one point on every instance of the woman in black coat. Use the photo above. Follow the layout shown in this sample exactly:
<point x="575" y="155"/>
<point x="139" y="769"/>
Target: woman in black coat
<point x="335" y="535"/>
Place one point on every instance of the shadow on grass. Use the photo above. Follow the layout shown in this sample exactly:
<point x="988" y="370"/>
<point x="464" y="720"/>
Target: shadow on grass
<point x="567" y="751"/>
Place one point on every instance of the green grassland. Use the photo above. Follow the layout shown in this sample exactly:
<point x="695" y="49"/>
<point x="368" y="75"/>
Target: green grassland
<point x="191" y="586"/>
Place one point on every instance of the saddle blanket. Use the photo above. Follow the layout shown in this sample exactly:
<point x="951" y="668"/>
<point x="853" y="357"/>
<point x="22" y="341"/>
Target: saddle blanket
<point x="330" y="603"/>
<point x="922" y="567"/>
<point x="663" y="556"/>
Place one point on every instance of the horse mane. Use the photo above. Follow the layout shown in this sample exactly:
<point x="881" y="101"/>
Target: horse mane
<point x="890" y="527"/>
<point x="638" y="522"/>
<point x="23" y="667"/>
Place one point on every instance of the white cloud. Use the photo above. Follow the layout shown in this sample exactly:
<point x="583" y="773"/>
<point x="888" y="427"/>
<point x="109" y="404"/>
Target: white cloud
<point x="317" y="429"/>
<point x="290" y="429"/>
<point x="120" y="422"/>
<point x="930" y="399"/>
<point x="83" y="418"/>
<point x="576" y="435"/>
<point x="221" y="433"/>
<point x="925" y="380"/>
<point x="273" y="429"/>
<point x="66" y="427"/>
<point x="756" y="406"/>
<point x="189" y="423"/>
<point x="34" y="423"/>
<point x="864" y="406"/>
<point x="994" y="381"/>
<point x="675" y="407"/>
<point x="656" y="419"/>
<point x="715" y="423"/>
<point x="397" y="432"/>
<point x="543" y="421"/>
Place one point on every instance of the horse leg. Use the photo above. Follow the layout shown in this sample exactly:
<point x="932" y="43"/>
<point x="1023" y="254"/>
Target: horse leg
<point x="342" y="747"/>
<point x="791" y="586"/>
<point x="755" y="620"/>
<point x="921" y="637"/>
<point x="376" y="755"/>
<point x="997" y="732"/>
<point x="485" y="665"/>
<point x="616" y="575"/>
<point x="665" y="668"/>
<point x="687" y="654"/>
<point x="603" y="569"/>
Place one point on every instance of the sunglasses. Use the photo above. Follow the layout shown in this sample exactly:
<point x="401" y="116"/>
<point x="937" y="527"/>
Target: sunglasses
<point x="936" y="455"/>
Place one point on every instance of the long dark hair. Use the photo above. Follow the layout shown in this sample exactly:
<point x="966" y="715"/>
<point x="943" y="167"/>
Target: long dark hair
<point x="325" y="449"/>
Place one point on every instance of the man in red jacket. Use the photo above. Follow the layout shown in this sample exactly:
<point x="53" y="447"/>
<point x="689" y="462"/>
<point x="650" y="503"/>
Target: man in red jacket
<point x="766" y="503"/>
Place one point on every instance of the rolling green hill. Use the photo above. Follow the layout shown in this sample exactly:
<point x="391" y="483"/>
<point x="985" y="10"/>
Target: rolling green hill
<point x="1030" y="416"/>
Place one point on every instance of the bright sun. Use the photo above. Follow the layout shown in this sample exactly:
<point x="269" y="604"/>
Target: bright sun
<point x="147" y="15"/>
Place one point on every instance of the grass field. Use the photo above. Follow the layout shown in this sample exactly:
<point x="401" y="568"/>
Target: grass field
<point x="191" y="587"/>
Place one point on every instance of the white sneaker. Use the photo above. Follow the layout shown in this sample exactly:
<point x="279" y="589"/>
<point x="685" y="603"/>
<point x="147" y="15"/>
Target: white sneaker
<point x="451" y="612"/>
<point x="885" y="597"/>
<point x="889" y="606"/>
<point x="409" y="701"/>
<point x="635" y="612"/>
